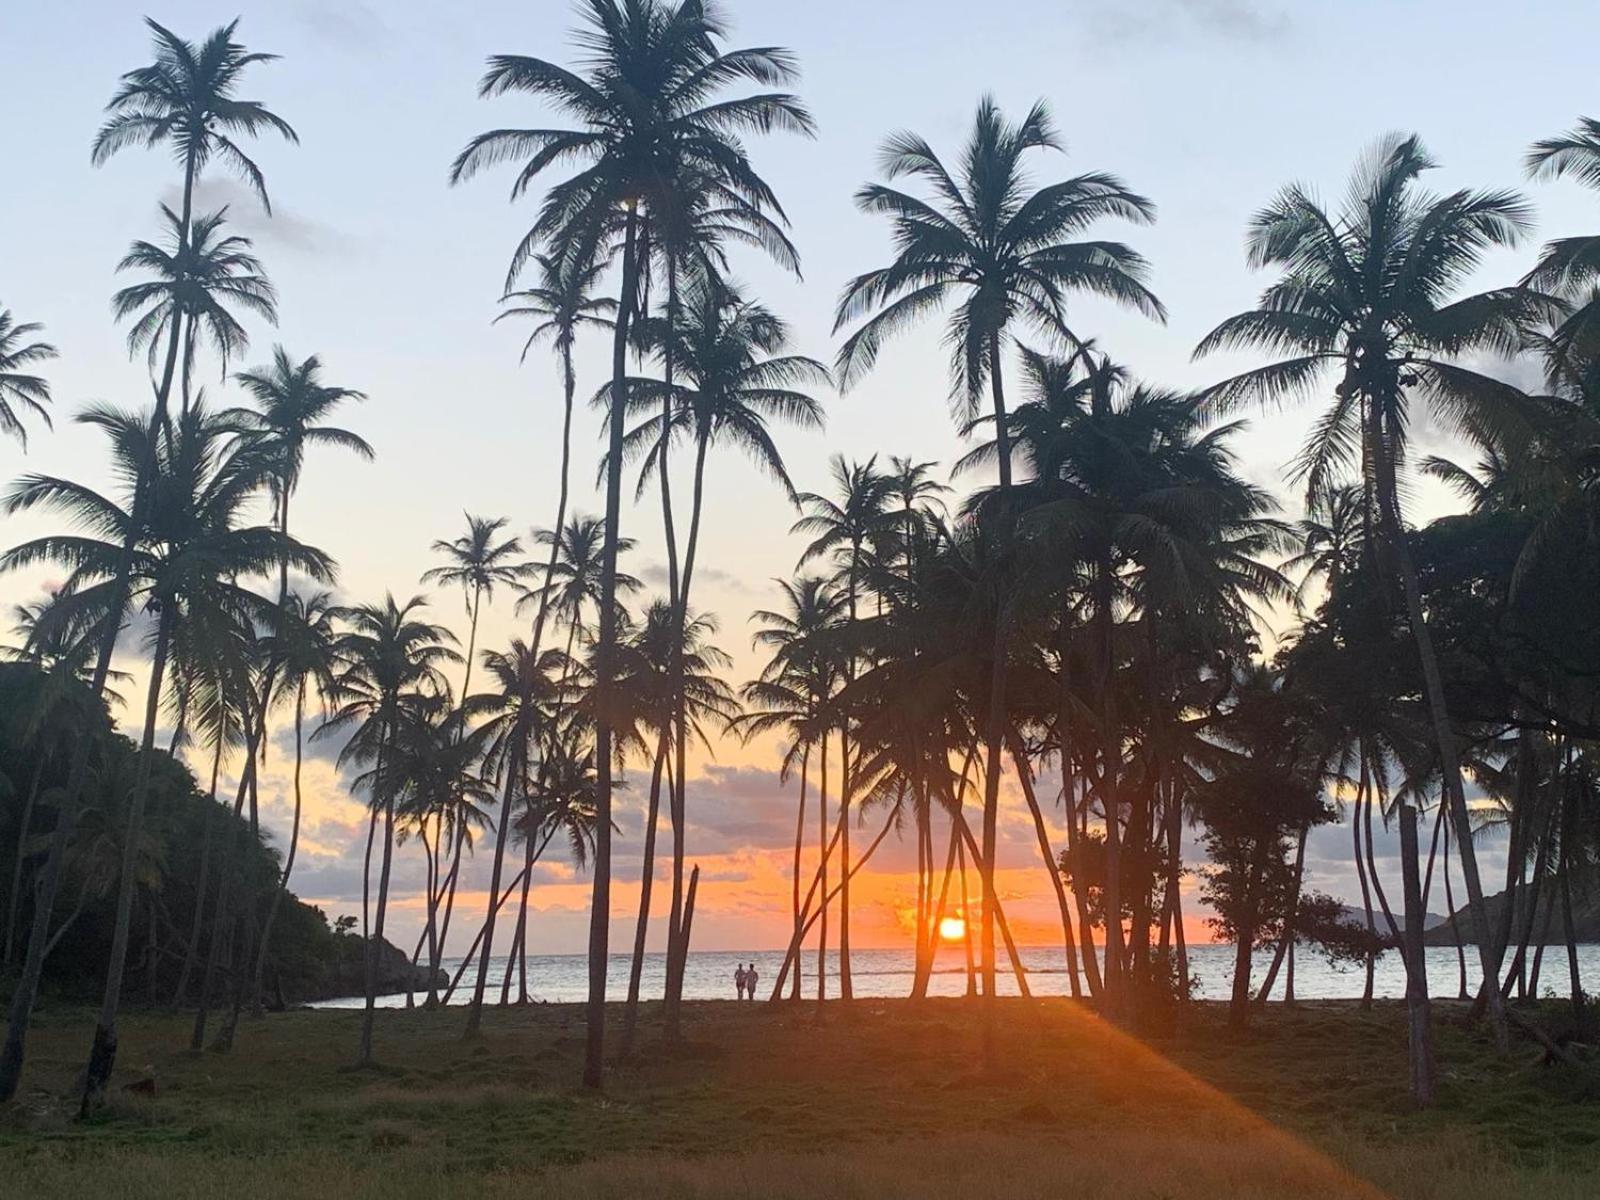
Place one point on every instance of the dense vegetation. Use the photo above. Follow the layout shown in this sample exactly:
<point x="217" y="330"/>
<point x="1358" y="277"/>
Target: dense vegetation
<point x="1084" y="620"/>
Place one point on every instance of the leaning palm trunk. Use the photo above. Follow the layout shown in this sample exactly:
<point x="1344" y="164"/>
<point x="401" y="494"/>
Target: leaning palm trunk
<point x="375" y="940"/>
<point x="294" y="843"/>
<point x="26" y="993"/>
<point x="799" y="842"/>
<point x="677" y="943"/>
<point x="919" y="984"/>
<point x="103" y="1052"/>
<point x="630" y="1014"/>
<point x="1025" y="775"/>
<point x="192" y="949"/>
<point x="1286" y="942"/>
<point x="605" y="656"/>
<point x="1444" y="735"/>
<point x="514" y="769"/>
<point x="1418" y="1007"/>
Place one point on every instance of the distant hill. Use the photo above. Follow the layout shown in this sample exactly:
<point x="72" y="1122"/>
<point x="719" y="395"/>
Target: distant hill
<point x="1585" y="920"/>
<point x="1358" y="916"/>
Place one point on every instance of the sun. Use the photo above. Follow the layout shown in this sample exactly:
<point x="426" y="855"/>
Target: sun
<point x="952" y="929"/>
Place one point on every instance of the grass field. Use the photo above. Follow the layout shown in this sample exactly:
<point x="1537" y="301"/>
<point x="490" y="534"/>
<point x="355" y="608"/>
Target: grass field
<point x="884" y="1100"/>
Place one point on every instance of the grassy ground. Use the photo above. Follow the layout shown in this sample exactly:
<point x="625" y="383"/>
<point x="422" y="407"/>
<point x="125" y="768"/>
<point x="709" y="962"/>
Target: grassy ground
<point x="884" y="1101"/>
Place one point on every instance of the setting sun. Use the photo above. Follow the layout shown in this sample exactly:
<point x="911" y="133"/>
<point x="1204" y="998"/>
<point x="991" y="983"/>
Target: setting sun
<point x="952" y="929"/>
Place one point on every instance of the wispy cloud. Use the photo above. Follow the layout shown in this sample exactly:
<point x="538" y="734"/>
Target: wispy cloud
<point x="350" y="25"/>
<point x="1115" y="23"/>
<point x="284" y="229"/>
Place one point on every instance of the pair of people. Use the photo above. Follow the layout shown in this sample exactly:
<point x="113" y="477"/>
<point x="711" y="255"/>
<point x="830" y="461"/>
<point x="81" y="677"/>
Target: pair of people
<point x="745" y="979"/>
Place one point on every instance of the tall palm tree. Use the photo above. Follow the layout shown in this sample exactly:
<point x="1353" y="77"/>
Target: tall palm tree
<point x="190" y="545"/>
<point x="390" y="653"/>
<point x="846" y="529"/>
<point x="1005" y="251"/>
<point x="792" y="696"/>
<point x="648" y="121"/>
<point x="186" y="100"/>
<point x="476" y="563"/>
<point x="527" y="688"/>
<point x="303" y="644"/>
<point x="733" y="382"/>
<point x="18" y="387"/>
<point x="195" y="280"/>
<point x="1370" y="293"/>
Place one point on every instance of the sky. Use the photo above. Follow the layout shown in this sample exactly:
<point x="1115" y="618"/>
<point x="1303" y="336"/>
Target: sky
<point x="392" y="276"/>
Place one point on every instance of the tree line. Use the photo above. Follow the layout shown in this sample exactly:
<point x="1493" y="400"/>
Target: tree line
<point x="1087" y="625"/>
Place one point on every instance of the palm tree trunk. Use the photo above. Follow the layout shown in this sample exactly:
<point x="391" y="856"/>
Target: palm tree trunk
<point x="1110" y="770"/>
<point x="630" y="1012"/>
<point x="1361" y="874"/>
<point x="919" y="983"/>
<point x="1455" y="925"/>
<point x="605" y="655"/>
<point x="294" y="842"/>
<point x="1418" y="1006"/>
<point x="799" y="841"/>
<point x="14" y="896"/>
<point x="1286" y="942"/>
<point x="1025" y="775"/>
<point x="966" y="918"/>
<point x="677" y="947"/>
<point x="822" y="872"/>
<point x="514" y="768"/>
<point x="364" y="1055"/>
<point x="103" y="1053"/>
<point x="192" y="950"/>
<point x="1444" y="736"/>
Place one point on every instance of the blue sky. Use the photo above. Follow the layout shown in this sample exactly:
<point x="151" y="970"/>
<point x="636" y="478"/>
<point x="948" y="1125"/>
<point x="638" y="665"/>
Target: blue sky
<point x="1207" y="106"/>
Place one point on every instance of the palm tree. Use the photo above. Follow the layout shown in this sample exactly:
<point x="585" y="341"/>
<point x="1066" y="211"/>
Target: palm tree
<point x="186" y="100"/>
<point x="196" y="279"/>
<point x="1370" y="293"/>
<point x="190" y="545"/>
<point x="390" y="653"/>
<point x="735" y="381"/>
<point x="527" y="687"/>
<point x="791" y="695"/>
<point x="1570" y="267"/>
<point x="660" y="661"/>
<point x="18" y="387"/>
<point x="303" y="645"/>
<point x="648" y="125"/>
<point x="1004" y="249"/>
<point x="476" y="562"/>
<point x="846" y="529"/>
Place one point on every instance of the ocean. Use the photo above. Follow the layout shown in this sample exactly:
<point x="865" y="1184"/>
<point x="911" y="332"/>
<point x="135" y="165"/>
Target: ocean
<point x="564" y="978"/>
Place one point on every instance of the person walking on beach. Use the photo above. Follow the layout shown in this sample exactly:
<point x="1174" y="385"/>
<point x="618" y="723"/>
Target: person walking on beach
<point x="739" y="979"/>
<point x="750" y="977"/>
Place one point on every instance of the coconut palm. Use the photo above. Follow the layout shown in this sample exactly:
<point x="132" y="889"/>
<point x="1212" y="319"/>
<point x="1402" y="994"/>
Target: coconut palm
<point x="20" y="389"/>
<point x="196" y="278"/>
<point x="792" y="696"/>
<point x="1003" y="252"/>
<point x="845" y="529"/>
<point x="187" y="101"/>
<point x="527" y="689"/>
<point x="390" y="653"/>
<point x="190" y="546"/>
<point x="302" y="643"/>
<point x="476" y="563"/>
<point x="648" y="124"/>
<point x="1570" y="267"/>
<point x="733" y="381"/>
<point x="1371" y="294"/>
<point x="573" y="583"/>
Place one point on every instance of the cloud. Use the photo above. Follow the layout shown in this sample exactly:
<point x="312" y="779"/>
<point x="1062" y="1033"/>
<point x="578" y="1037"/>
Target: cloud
<point x="1113" y="23"/>
<point x="283" y="229"/>
<point x="655" y="574"/>
<point x="349" y="25"/>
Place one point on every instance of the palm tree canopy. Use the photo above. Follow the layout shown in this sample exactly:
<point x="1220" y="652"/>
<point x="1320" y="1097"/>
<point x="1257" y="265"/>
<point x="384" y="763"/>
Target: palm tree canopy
<point x="291" y="404"/>
<point x="1371" y="292"/>
<point x="201" y="280"/>
<point x="187" y="99"/>
<point x="989" y="241"/>
<point x="476" y="562"/>
<point x="644" y="98"/>
<point x="20" y="388"/>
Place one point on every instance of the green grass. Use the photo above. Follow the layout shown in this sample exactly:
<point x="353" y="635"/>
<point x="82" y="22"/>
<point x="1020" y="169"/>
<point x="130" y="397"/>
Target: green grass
<point x="886" y="1099"/>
